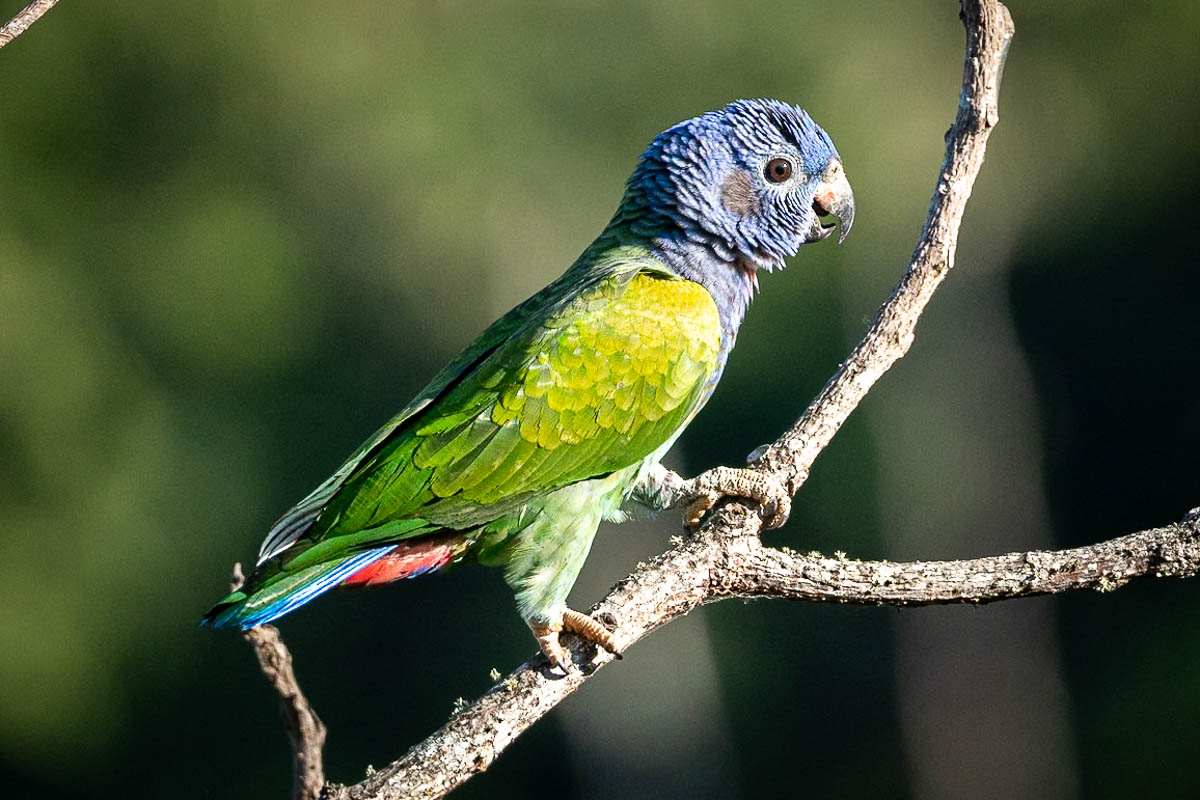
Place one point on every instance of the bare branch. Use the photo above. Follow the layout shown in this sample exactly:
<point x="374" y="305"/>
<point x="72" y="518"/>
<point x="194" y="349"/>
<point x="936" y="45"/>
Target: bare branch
<point x="989" y="30"/>
<point x="1171" y="551"/>
<point x="305" y="731"/>
<point x="21" y="22"/>
<point x="725" y="560"/>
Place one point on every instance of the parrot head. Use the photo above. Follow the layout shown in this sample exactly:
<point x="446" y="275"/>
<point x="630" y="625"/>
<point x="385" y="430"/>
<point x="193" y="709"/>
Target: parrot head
<point x="751" y="183"/>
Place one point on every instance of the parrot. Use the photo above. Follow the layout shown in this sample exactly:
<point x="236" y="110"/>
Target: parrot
<point x="558" y="415"/>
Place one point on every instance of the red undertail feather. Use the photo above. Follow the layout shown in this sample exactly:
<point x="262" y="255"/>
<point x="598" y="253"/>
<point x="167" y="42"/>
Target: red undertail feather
<point x="408" y="560"/>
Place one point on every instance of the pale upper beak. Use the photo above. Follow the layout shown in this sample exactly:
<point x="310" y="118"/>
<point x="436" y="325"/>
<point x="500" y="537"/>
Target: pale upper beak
<point x="835" y="198"/>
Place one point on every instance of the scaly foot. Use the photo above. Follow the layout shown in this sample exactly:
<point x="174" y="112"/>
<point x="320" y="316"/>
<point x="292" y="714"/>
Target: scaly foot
<point x="721" y="482"/>
<point x="572" y="622"/>
<point x="547" y="639"/>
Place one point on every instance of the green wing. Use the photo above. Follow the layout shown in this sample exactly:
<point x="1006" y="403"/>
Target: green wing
<point x="574" y="383"/>
<point x="299" y="519"/>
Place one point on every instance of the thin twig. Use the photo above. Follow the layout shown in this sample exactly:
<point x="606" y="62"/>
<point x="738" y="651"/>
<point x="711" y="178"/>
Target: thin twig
<point x="305" y="730"/>
<point x="21" y="22"/>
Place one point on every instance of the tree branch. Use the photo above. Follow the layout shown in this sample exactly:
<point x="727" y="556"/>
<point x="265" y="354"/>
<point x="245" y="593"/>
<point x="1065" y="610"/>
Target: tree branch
<point x="989" y="31"/>
<point x="725" y="558"/>
<point x="1171" y="551"/>
<point x="21" y="22"/>
<point x="306" y="732"/>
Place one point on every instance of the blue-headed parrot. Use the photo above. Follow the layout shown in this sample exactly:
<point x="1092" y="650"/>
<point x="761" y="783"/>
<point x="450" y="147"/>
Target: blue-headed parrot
<point x="556" y="417"/>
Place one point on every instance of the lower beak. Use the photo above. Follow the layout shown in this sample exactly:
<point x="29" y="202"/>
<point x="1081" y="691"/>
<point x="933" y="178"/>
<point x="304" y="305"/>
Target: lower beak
<point x="835" y="198"/>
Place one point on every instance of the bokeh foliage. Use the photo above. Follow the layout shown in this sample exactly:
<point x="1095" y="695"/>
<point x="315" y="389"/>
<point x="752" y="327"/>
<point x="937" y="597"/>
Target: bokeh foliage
<point x="235" y="237"/>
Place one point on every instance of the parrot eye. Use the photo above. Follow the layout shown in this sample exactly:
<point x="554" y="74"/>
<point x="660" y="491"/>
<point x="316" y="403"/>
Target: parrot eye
<point x="778" y="170"/>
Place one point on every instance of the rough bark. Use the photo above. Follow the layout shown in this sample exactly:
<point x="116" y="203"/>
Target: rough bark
<point x="727" y="559"/>
<point x="21" y="22"/>
<point x="306" y="732"/>
<point x="989" y="30"/>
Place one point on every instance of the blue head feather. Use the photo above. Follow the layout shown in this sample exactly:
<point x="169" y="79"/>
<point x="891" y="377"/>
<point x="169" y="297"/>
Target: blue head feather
<point x="702" y="196"/>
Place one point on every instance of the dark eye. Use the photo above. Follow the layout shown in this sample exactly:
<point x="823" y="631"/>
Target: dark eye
<point x="778" y="170"/>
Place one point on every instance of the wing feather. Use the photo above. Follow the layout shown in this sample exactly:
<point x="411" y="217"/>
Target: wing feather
<point x="580" y="384"/>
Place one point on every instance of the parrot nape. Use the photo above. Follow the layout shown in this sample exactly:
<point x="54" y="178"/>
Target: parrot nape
<point x="556" y="417"/>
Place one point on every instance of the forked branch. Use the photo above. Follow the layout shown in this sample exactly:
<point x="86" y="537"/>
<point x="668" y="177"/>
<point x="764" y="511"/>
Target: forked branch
<point x="727" y="559"/>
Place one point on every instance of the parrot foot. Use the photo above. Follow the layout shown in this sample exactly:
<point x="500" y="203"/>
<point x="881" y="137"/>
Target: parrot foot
<point x="589" y="628"/>
<point x="547" y="639"/>
<point x="711" y="486"/>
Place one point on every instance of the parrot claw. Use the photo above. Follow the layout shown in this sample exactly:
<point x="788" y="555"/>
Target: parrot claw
<point x="709" y="487"/>
<point x="582" y="625"/>
<point x="551" y="647"/>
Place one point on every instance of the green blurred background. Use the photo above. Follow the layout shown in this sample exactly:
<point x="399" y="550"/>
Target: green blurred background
<point x="235" y="237"/>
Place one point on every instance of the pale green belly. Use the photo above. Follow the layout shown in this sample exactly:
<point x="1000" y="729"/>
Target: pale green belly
<point x="543" y="544"/>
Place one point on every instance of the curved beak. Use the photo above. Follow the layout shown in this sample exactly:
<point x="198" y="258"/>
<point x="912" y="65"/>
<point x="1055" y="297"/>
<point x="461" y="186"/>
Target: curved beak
<point x="835" y="198"/>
